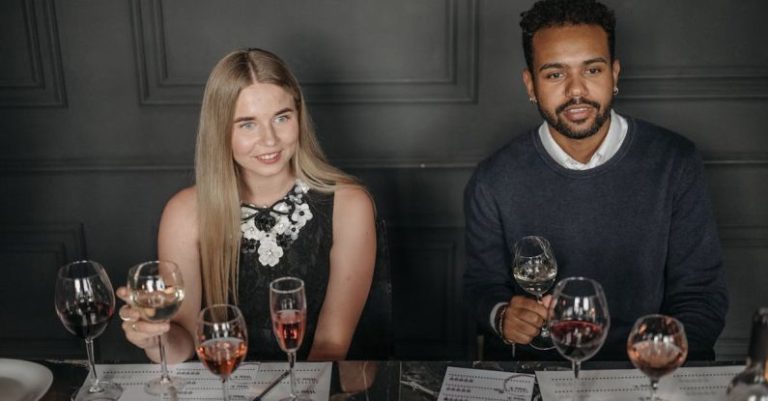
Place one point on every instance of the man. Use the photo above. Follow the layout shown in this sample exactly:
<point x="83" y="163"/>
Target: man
<point x="620" y="200"/>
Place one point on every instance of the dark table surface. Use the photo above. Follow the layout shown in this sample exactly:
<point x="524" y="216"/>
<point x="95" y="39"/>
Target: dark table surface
<point x="385" y="380"/>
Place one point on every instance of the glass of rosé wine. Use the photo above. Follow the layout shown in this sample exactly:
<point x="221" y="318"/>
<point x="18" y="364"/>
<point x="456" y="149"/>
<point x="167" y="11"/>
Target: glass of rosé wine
<point x="85" y="302"/>
<point x="288" y="308"/>
<point x="156" y="291"/>
<point x="657" y="345"/>
<point x="578" y="320"/>
<point x="221" y="341"/>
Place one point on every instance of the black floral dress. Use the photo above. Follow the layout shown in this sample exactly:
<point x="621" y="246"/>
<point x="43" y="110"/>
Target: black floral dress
<point x="292" y="237"/>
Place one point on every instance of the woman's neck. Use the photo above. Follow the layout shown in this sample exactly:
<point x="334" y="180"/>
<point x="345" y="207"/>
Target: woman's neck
<point x="264" y="192"/>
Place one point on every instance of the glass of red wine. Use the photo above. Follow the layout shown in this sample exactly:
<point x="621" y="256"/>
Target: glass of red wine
<point x="288" y="307"/>
<point x="534" y="268"/>
<point x="221" y="341"/>
<point x="657" y="345"/>
<point x="578" y="319"/>
<point x="156" y="291"/>
<point x="85" y="303"/>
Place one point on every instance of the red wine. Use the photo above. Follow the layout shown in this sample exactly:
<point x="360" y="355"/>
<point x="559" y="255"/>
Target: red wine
<point x="656" y="359"/>
<point x="577" y="339"/>
<point x="86" y="319"/>
<point x="289" y="326"/>
<point x="222" y="355"/>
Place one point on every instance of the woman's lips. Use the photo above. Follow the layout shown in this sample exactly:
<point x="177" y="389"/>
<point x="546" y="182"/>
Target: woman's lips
<point x="269" y="158"/>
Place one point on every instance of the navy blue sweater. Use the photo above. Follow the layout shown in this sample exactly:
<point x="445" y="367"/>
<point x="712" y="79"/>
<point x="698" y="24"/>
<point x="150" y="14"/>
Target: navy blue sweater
<point x="641" y="224"/>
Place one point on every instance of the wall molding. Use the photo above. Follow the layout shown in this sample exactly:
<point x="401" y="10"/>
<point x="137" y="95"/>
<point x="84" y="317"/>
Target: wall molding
<point x="158" y="88"/>
<point x="46" y="166"/>
<point x="693" y="83"/>
<point x="46" y="85"/>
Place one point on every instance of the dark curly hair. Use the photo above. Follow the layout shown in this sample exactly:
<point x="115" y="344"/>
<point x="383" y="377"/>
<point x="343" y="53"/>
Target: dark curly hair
<point x="548" y="13"/>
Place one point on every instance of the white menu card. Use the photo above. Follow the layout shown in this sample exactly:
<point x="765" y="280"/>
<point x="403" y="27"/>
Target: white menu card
<point x="313" y="379"/>
<point x="462" y="384"/>
<point x="685" y="384"/>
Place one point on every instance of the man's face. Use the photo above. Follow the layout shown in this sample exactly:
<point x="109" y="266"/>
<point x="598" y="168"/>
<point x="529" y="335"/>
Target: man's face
<point x="573" y="79"/>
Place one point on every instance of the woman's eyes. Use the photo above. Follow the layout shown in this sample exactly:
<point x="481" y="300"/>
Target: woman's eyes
<point x="282" y="118"/>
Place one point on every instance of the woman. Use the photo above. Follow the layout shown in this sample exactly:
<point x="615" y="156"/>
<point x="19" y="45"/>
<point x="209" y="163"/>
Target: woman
<point x="266" y="204"/>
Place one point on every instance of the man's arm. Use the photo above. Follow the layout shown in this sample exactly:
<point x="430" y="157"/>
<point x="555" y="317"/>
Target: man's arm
<point x="695" y="286"/>
<point x="486" y="279"/>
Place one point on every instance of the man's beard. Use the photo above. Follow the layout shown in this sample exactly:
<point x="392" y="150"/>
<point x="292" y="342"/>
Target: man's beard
<point x="560" y="125"/>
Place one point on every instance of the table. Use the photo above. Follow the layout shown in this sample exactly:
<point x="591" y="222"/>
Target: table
<point x="384" y="379"/>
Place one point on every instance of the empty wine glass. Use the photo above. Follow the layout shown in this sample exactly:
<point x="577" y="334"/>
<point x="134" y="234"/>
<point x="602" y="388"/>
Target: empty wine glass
<point x="288" y="307"/>
<point x="157" y="289"/>
<point x="534" y="268"/>
<point x="578" y="320"/>
<point x="85" y="302"/>
<point x="221" y="341"/>
<point x="657" y="345"/>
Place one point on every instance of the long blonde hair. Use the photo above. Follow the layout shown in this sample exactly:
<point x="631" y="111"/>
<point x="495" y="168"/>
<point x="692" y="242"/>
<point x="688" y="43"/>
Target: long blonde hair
<point x="217" y="176"/>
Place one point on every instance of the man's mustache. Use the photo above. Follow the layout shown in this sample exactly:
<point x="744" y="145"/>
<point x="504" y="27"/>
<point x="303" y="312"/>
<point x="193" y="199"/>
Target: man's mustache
<point x="574" y="102"/>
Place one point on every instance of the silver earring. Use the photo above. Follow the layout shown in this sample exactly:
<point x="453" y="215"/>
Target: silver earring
<point x="532" y="99"/>
<point x="615" y="90"/>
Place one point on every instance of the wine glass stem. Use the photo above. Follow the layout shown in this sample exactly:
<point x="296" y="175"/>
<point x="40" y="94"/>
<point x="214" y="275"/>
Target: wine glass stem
<point x="225" y="389"/>
<point x="95" y="387"/>
<point x="654" y="388"/>
<point x="164" y="376"/>
<point x="544" y="328"/>
<point x="576" y="369"/>
<point x="576" y="381"/>
<point x="291" y="362"/>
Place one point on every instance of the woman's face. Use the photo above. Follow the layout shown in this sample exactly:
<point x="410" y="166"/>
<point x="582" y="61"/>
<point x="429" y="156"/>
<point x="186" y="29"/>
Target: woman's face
<point x="265" y="132"/>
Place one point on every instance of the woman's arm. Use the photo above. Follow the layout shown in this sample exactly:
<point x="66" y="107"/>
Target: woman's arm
<point x="353" y="256"/>
<point x="177" y="242"/>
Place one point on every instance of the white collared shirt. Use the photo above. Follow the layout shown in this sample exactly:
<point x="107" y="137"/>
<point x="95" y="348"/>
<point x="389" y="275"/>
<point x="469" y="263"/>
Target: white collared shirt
<point x="617" y="131"/>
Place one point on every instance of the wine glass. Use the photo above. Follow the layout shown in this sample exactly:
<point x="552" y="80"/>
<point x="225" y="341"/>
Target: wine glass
<point x="157" y="289"/>
<point x="578" y="319"/>
<point x="535" y="268"/>
<point x="221" y="341"/>
<point x="657" y="345"/>
<point x="85" y="302"/>
<point x="288" y="308"/>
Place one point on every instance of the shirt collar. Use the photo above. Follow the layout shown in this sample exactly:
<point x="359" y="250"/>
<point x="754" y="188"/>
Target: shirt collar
<point x="617" y="131"/>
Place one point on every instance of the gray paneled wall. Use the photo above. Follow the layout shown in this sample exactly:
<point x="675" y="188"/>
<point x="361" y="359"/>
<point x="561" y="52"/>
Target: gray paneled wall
<point x="99" y="103"/>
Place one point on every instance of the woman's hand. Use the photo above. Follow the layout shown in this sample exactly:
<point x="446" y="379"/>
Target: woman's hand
<point x="140" y="333"/>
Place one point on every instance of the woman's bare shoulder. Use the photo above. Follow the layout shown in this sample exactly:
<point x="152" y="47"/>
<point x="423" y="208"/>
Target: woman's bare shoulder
<point x="182" y="206"/>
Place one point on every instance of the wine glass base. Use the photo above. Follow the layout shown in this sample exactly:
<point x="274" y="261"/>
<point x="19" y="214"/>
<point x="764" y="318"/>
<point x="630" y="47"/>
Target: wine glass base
<point x="109" y="391"/>
<point x="542" y="343"/>
<point x="300" y="397"/>
<point x="165" y="387"/>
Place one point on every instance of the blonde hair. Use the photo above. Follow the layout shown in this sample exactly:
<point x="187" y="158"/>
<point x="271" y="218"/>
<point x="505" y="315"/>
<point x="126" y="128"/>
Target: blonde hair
<point x="216" y="173"/>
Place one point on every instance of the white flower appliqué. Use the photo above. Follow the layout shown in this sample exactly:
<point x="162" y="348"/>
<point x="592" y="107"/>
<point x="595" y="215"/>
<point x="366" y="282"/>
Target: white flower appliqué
<point x="270" y="231"/>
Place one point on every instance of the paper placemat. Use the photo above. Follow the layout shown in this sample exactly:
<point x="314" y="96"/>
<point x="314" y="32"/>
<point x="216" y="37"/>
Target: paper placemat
<point x="463" y="384"/>
<point x="313" y="379"/>
<point x="684" y="384"/>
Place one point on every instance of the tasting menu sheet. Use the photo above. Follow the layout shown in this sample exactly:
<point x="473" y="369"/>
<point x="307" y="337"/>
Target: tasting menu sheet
<point x="313" y="379"/>
<point x="462" y="384"/>
<point x="684" y="384"/>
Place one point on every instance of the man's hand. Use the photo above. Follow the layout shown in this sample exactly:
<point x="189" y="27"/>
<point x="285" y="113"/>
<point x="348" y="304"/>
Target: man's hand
<point x="524" y="318"/>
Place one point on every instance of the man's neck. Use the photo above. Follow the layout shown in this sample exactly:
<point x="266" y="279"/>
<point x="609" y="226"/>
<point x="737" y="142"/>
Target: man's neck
<point x="580" y="150"/>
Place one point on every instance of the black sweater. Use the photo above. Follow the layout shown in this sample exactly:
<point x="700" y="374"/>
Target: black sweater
<point x="641" y="224"/>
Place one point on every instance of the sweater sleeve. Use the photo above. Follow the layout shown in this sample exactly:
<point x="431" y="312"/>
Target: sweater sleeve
<point x="486" y="278"/>
<point x="695" y="285"/>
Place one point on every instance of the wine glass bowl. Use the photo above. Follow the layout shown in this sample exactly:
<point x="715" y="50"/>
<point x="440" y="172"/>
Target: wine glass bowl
<point x="579" y="319"/>
<point x="156" y="291"/>
<point x="221" y="341"/>
<point x="657" y="345"/>
<point x="288" y="309"/>
<point x="534" y="268"/>
<point x="85" y="303"/>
